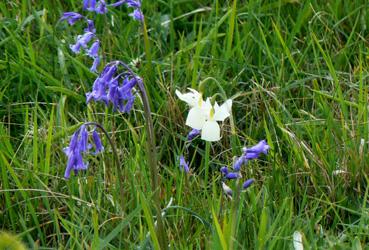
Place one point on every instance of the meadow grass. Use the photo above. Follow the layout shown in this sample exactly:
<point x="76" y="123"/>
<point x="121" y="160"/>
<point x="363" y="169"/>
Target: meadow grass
<point x="298" y="74"/>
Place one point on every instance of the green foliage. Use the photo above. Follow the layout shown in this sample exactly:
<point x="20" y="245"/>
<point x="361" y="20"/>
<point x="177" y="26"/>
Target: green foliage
<point x="298" y="73"/>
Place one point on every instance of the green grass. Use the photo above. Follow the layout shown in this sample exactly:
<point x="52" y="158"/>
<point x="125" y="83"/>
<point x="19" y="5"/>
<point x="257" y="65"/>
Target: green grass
<point x="298" y="73"/>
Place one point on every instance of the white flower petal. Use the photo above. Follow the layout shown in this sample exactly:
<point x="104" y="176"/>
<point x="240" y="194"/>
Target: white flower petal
<point x="191" y="98"/>
<point x="222" y="112"/>
<point x="206" y="107"/>
<point x="210" y="131"/>
<point x="297" y="241"/>
<point x="195" y="118"/>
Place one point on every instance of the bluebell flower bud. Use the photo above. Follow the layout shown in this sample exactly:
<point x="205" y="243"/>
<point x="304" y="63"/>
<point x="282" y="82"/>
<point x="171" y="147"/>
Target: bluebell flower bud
<point x="94" y="49"/>
<point x="90" y="26"/>
<point x="98" y="145"/>
<point x="238" y="163"/>
<point x="183" y="165"/>
<point x="71" y="17"/>
<point x="232" y="175"/>
<point x="101" y="7"/>
<point x="89" y="5"/>
<point x="224" y="170"/>
<point x="95" y="64"/>
<point x="193" y="133"/>
<point x="247" y="183"/>
<point x="134" y="3"/>
<point x="255" y="151"/>
<point x="84" y="138"/>
<point x="137" y="15"/>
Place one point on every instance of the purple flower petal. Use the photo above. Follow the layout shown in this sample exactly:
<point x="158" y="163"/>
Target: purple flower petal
<point x="255" y="151"/>
<point x="238" y="163"/>
<point x="193" y="133"/>
<point x="98" y="145"/>
<point x="183" y="165"/>
<point x="71" y="17"/>
<point x="95" y="64"/>
<point x="94" y="49"/>
<point x="224" y="170"/>
<point x="134" y="3"/>
<point x="116" y="4"/>
<point x="101" y="7"/>
<point x="89" y="5"/>
<point x="232" y="175"/>
<point x="90" y="26"/>
<point x="83" y="146"/>
<point x="247" y="183"/>
<point x="137" y="15"/>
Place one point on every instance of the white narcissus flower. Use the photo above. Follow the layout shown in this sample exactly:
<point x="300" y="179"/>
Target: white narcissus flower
<point x="203" y="116"/>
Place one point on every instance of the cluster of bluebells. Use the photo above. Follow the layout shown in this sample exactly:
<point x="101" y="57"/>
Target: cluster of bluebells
<point x="88" y="42"/>
<point x="100" y="7"/>
<point x="110" y="87"/>
<point x="248" y="154"/>
<point x="78" y="146"/>
<point x="115" y="88"/>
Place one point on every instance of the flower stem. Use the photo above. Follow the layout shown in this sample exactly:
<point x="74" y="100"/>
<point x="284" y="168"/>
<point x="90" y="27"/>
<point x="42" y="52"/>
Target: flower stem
<point x="151" y="156"/>
<point x="152" y="160"/>
<point x="234" y="211"/>
<point x="116" y="159"/>
<point x="206" y="165"/>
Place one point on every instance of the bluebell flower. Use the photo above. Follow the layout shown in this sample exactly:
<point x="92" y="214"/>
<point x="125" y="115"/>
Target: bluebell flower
<point x="83" y="143"/>
<point x="247" y="183"/>
<point x="255" y="151"/>
<point x="77" y="146"/>
<point x="137" y="15"/>
<point x="232" y="175"/>
<point x="89" y="5"/>
<point x="101" y="7"/>
<point x="95" y="64"/>
<point x="238" y="163"/>
<point x="183" y="165"/>
<point x="108" y="73"/>
<point x="82" y="41"/>
<point x="134" y="3"/>
<point x="98" y="145"/>
<point x="90" y="26"/>
<point x="93" y="52"/>
<point x="224" y="170"/>
<point x="193" y="133"/>
<point x="98" y="92"/>
<point x="71" y="17"/>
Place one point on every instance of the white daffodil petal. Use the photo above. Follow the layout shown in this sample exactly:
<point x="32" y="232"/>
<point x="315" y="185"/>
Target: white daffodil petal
<point x="210" y="131"/>
<point x="190" y="98"/>
<point x="206" y="108"/>
<point x="297" y="241"/>
<point x="222" y="112"/>
<point x="195" y="118"/>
